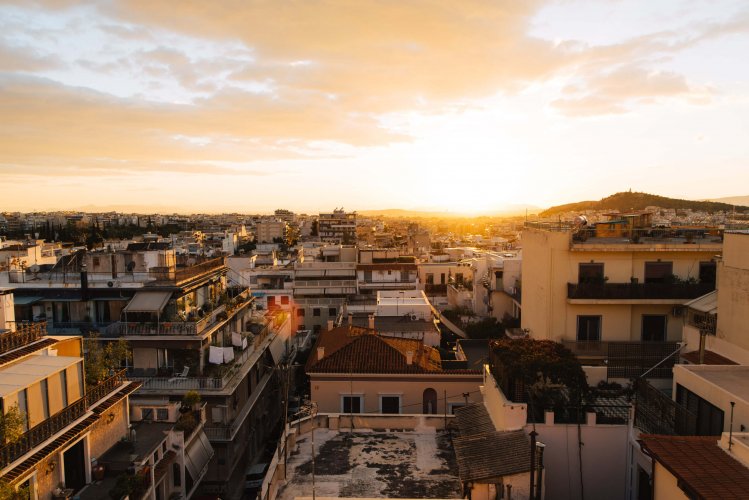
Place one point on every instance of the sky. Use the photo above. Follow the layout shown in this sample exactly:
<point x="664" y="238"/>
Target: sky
<point x="461" y="106"/>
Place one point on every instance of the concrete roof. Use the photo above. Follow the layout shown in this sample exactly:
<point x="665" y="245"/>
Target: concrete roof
<point x="31" y="370"/>
<point x="730" y="378"/>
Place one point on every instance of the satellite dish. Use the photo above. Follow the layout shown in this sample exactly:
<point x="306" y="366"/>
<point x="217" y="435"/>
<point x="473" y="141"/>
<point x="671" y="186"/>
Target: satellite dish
<point x="110" y="284"/>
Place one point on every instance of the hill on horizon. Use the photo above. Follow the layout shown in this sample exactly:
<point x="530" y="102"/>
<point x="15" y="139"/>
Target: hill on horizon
<point x="628" y="201"/>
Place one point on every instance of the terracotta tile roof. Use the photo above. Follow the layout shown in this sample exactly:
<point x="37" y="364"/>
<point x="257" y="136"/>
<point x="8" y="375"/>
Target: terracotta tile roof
<point x="702" y="468"/>
<point x="711" y="358"/>
<point x="473" y="419"/>
<point x="351" y="349"/>
<point x="491" y="455"/>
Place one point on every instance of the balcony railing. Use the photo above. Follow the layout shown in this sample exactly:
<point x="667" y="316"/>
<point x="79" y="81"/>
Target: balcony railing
<point x="197" y="327"/>
<point x="656" y="413"/>
<point x="628" y="359"/>
<point x="182" y="274"/>
<point x="25" y="334"/>
<point x="634" y="291"/>
<point x="49" y="427"/>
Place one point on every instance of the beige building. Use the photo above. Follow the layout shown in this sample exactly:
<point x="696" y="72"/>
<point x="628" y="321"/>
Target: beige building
<point x="354" y="370"/>
<point x="612" y="298"/>
<point x="63" y="423"/>
<point x="266" y="231"/>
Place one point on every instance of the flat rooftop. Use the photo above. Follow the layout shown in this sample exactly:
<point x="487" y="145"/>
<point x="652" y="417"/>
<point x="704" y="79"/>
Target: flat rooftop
<point x="730" y="378"/>
<point x="373" y="464"/>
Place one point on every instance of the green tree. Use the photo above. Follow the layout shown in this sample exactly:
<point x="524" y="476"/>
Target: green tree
<point x="103" y="358"/>
<point x="7" y="492"/>
<point x="12" y="424"/>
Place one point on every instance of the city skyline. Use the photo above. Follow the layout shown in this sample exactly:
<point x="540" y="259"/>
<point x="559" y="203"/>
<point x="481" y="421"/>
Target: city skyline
<point x="456" y="107"/>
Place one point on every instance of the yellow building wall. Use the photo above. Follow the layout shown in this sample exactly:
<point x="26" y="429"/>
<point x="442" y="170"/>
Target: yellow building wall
<point x="666" y="487"/>
<point x="327" y="393"/>
<point x="54" y="388"/>
<point x="105" y="434"/>
<point x="75" y="382"/>
<point x="34" y="405"/>
<point x="70" y="347"/>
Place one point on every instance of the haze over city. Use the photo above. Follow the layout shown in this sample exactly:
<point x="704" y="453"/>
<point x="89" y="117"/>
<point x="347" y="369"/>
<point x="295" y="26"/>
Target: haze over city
<point x="464" y="106"/>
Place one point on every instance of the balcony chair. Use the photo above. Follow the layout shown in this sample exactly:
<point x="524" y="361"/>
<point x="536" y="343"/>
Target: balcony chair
<point x="182" y="375"/>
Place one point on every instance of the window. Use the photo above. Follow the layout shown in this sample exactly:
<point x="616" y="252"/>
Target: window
<point x="332" y="312"/>
<point x="300" y="313"/>
<point x="459" y="278"/>
<point x="588" y="328"/>
<point x="146" y="413"/>
<point x="442" y="278"/>
<point x="316" y="311"/>
<point x="351" y="404"/>
<point x="654" y="327"/>
<point x="162" y="414"/>
<point x="284" y="300"/>
<point x="271" y="301"/>
<point x="451" y="407"/>
<point x="709" y="416"/>
<point x="430" y="279"/>
<point x="707" y="272"/>
<point x="590" y="273"/>
<point x="390" y="404"/>
<point x="658" y="272"/>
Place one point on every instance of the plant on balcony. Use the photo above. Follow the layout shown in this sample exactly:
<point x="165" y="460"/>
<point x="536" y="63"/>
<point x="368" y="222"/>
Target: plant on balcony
<point x="191" y="399"/>
<point x="7" y="492"/>
<point x="544" y="372"/>
<point x="12" y="425"/>
<point x="133" y="486"/>
<point x="102" y="359"/>
<point x="186" y="423"/>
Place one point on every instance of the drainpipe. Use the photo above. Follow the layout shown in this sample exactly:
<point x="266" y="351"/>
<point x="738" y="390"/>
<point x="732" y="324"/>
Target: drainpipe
<point x="533" y="435"/>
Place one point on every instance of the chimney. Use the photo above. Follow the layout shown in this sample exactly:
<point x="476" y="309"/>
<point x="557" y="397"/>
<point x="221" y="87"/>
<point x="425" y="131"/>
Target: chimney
<point x="350" y="319"/>
<point x="409" y="357"/>
<point x="330" y="324"/>
<point x="320" y="353"/>
<point x="371" y="322"/>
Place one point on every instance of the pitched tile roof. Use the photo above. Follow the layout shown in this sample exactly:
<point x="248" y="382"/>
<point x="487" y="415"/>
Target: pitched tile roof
<point x="702" y="468"/>
<point x="473" y="419"/>
<point x="711" y="358"/>
<point x="491" y="455"/>
<point x="350" y="349"/>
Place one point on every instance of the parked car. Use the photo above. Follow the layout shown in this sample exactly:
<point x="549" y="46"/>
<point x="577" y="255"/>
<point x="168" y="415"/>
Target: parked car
<point x="254" y="477"/>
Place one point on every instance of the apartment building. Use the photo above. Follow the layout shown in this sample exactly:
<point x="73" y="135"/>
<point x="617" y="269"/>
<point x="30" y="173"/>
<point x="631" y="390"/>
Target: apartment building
<point x="269" y="231"/>
<point x="62" y="424"/>
<point x="614" y="293"/>
<point x="187" y="331"/>
<point x="385" y="269"/>
<point x="337" y="227"/>
<point x="322" y="284"/>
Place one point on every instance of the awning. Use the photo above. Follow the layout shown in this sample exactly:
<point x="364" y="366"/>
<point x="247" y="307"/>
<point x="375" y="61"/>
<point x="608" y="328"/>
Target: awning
<point x="278" y="349"/>
<point x="25" y="301"/>
<point x="197" y="456"/>
<point x="152" y="302"/>
<point x="706" y="304"/>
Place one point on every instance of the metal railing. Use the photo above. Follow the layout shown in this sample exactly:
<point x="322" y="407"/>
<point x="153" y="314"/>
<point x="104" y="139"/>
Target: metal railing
<point x="633" y="291"/>
<point x="435" y="288"/>
<point x="182" y="274"/>
<point x="656" y="413"/>
<point x="41" y="432"/>
<point x="628" y="359"/>
<point x="25" y="334"/>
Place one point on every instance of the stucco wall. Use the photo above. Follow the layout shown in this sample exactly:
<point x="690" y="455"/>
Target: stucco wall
<point x="733" y="291"/>
<point x="105" y="434"/>
<point x="329" y="392"/>
<point x="690" y="379"/>
<point x="666" y="487"/>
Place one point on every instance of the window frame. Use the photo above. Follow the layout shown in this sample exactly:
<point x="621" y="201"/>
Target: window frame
<point x="360" y="397"/>
<point x="381" y="397"/>
<point x="600" y="327"/>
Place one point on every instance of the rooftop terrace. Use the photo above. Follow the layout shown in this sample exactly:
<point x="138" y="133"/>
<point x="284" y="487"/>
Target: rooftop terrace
<point x="373" y="464"/>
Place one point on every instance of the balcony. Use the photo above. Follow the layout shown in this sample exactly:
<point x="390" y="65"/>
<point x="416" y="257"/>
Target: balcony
<point x="43" y="431"/>
<point x="638" y="291"/>
<point x="435" y="289"/>
<point x="25" y="334"/>
<point x="180" y="328"/>
<point x="181" y="275"/>
<point x="627" y="359"/>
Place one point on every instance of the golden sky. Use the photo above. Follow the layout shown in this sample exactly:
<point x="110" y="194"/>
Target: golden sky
<point x="453" y="105"/>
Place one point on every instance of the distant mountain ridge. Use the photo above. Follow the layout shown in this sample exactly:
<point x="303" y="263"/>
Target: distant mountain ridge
<point x="628" y="200"/>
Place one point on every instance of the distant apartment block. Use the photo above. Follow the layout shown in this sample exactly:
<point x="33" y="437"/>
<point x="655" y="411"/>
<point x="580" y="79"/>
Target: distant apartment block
<point x="268" y="231"/>
<point x="337" y="227"/>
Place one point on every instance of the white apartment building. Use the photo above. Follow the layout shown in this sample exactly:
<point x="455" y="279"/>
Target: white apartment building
<point x="337" y="227"/>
